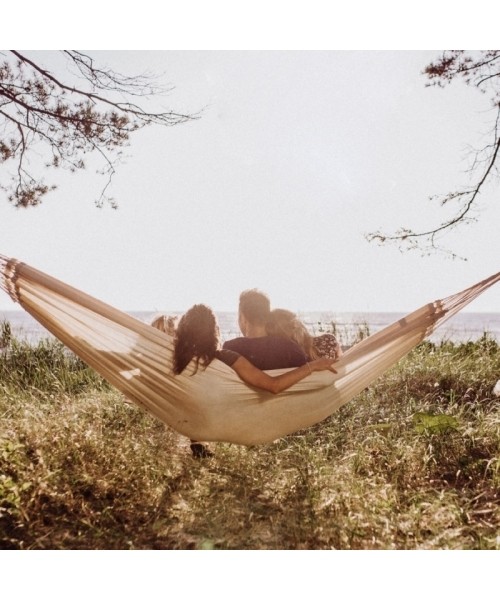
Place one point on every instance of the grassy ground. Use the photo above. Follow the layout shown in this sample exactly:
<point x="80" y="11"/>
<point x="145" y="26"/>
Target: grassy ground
<point x="413" y="462"/>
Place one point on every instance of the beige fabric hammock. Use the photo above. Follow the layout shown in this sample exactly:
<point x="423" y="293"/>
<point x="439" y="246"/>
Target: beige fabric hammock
<point x="213" y="404"/>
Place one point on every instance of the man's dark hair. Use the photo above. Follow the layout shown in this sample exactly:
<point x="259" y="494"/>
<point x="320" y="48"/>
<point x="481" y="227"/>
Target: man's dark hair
<point x="255" y="306"/>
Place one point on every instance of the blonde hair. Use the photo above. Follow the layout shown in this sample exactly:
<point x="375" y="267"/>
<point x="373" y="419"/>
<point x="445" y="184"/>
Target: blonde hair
<point x="285" y="323"/>
<point x="165" y="323"/>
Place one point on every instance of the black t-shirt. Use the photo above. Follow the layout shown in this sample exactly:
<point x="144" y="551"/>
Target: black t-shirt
<point x="268" y="352"/>
<point x="227" y="356"/>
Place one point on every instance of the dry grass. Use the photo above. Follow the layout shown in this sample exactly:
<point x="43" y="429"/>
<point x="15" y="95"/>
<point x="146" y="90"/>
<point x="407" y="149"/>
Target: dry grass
<point x="413" y="462"/>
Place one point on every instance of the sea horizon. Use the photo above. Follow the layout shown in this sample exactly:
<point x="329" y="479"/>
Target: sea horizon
<point x="463" y="327"/>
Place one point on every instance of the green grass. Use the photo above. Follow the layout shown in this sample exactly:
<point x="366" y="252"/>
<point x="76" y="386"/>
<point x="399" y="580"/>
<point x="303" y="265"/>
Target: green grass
<point x="411" y="463"/>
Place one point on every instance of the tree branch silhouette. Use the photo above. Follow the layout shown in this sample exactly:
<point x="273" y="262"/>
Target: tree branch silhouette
<point x="40" y="113"/>
<point x="482" y="71"/>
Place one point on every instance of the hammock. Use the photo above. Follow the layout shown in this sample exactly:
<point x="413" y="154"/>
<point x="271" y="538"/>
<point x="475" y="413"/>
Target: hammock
<point x="212" y="404"/>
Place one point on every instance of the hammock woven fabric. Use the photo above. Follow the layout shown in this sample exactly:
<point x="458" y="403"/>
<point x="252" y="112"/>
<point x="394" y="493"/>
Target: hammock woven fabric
<point x="212" y="404"/>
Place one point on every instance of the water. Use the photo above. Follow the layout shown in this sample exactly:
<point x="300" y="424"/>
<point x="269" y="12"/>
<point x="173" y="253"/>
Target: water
<point x="466" y="326"/>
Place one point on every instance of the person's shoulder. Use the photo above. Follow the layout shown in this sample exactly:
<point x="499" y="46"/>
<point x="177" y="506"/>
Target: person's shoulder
<point x="287" y="346"/>
<point x="325" y="337"/>
<point x="234" y="344"/>
<point x="229" y="357"/>
<point x="282" y="342"/>
<point x="326" y="345"/>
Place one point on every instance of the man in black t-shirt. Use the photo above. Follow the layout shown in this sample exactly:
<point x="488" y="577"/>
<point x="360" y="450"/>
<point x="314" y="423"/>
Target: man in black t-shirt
<point x="266" y="352"/>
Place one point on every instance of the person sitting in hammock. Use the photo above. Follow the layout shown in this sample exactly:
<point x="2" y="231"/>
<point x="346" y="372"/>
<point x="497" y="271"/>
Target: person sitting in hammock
<point x="197" y="338"/>
<point x="285" y="323"/>
<point x="267" y="352"/>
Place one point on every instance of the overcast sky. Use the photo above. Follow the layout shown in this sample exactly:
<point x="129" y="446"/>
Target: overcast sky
<point x="296" y="156"/>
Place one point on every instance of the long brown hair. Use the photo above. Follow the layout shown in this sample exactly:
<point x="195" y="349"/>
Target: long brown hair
<point x="197" y="336"/>
<point x="285" y="323"/>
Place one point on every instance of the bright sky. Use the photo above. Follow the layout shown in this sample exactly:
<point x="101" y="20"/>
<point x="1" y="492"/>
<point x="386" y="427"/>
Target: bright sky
<point x="296" y="156"/>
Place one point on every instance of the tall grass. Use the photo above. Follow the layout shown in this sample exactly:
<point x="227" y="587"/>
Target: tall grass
<point x="412" y="462"/>
<point x="47" y="367"/>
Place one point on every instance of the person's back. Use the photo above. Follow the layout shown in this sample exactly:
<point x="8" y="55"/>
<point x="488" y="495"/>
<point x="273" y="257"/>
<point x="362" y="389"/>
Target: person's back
<point x="268" y="352"/>
<point x="264" y="351"/>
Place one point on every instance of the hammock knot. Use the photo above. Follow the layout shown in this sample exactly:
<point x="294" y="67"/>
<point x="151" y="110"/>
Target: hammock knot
<point x="8" y="276"/>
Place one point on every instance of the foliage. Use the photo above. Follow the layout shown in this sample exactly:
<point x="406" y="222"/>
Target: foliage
<point x="428" y="423"/>
<point x="5" y="334"/>
<point x="481" y="70"/>
<point x="67" y="120"/>
<point x="47" y="367"/>
<point x="412" y="463"/>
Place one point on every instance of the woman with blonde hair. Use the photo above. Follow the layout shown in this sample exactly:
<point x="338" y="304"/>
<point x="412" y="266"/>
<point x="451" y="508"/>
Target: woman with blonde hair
<point x="285" y="323"/>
